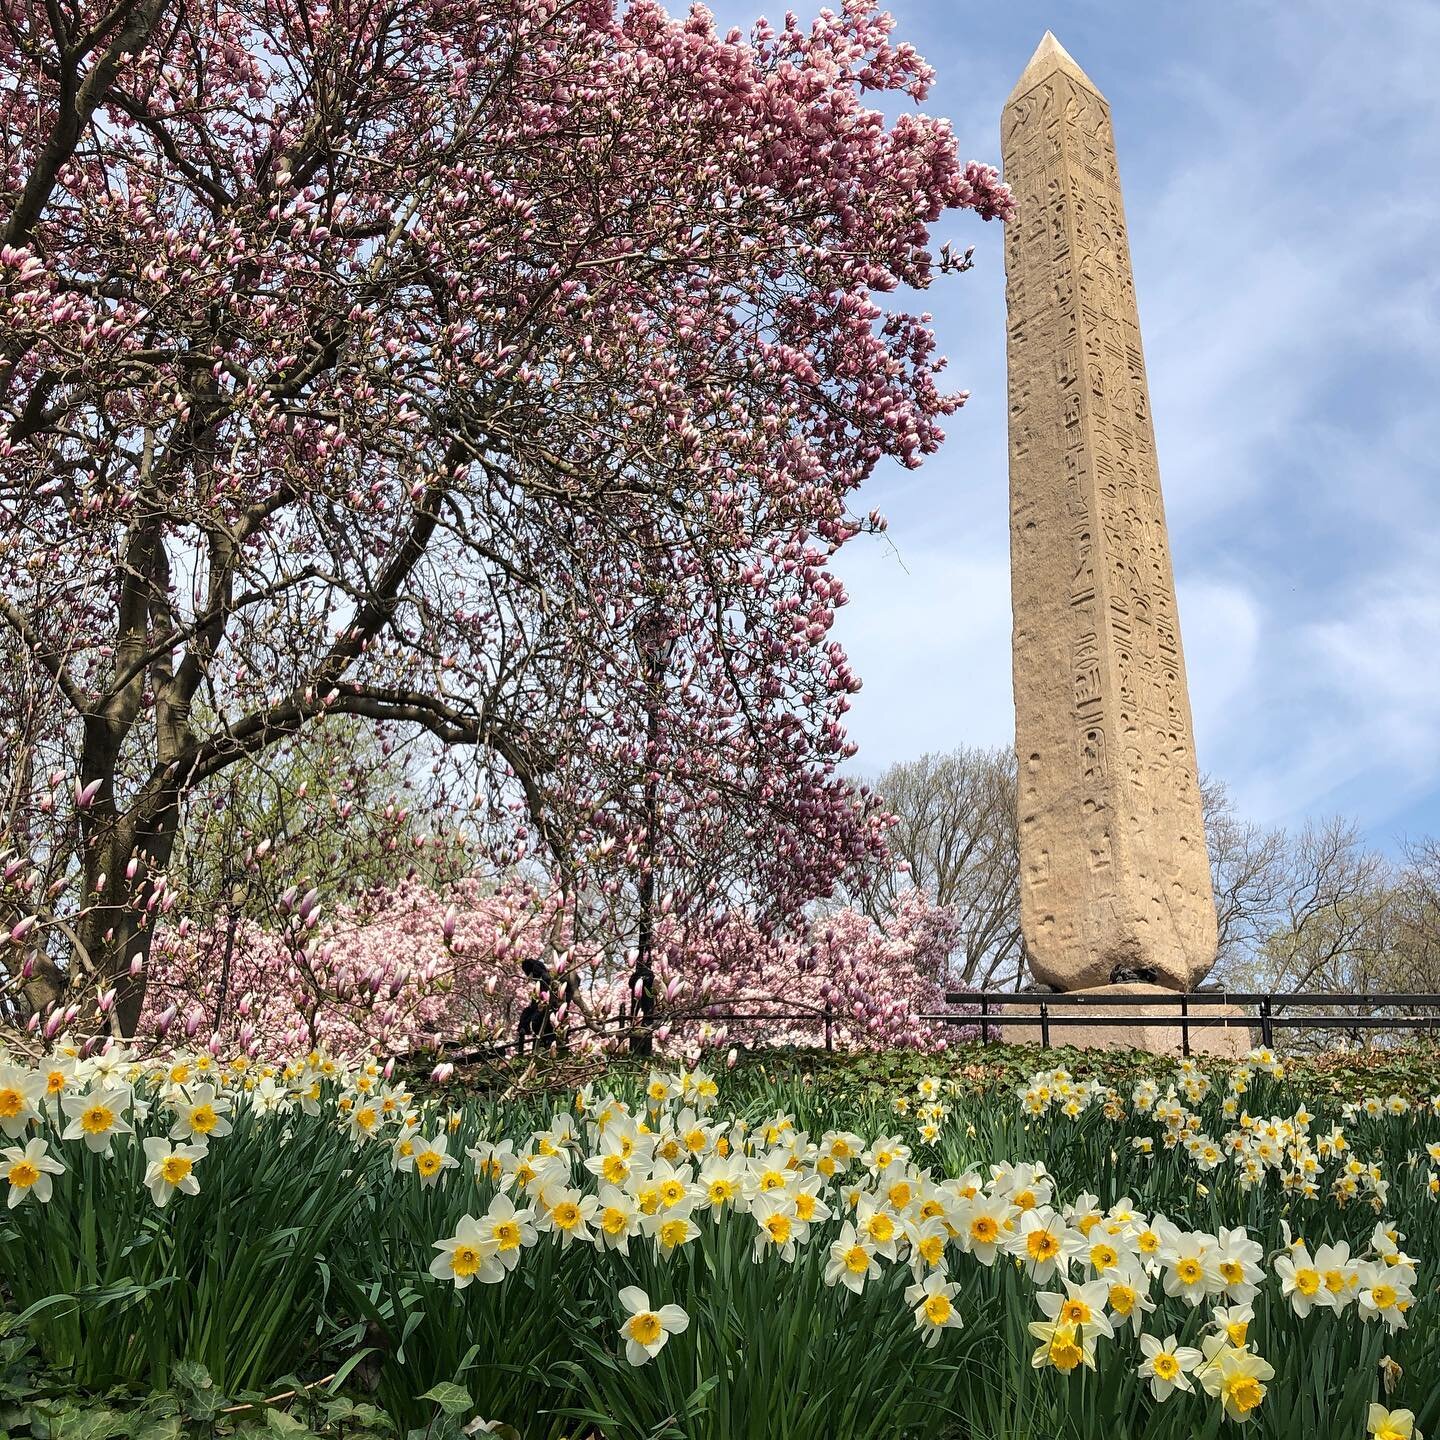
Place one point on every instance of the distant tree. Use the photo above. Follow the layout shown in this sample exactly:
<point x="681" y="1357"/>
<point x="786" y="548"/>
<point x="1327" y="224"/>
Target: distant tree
<point x="1248" y="869"/>
<point x="954" y="837"/>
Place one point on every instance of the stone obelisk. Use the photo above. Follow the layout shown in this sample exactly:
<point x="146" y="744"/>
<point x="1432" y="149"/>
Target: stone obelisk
<point x="1115" y="882"/>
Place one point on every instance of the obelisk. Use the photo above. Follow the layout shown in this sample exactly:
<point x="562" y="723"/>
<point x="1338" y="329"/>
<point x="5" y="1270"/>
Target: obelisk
<point x="1115" y="880"/>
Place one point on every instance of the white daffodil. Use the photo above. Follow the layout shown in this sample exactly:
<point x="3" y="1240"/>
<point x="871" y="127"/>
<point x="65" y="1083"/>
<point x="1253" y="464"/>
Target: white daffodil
<point x="646" y="1329"/>
<point x="1082" y="1305"/>
<point x="616" y="1219"/>
<point x="512" y="1231"/>
<point x="1167" y="1365"/>
<point x="852" y="1260"/>
<point x="932" y="1301"/>
<point x="200" y="1114"/>
<point x="469" y="1254"/>
<point x="21" y="1092"/>
<point x="169" y="1168"/>
<point x="984" y="1225"/>
<point x="1190" y="1271"/>
<point x="1384" y="1293"/>
<point x="1043" y="1242"/>
<point x="96" y="1117"/>
<point x="566" y="1213"/>
<point x="429" y="1159"/>
<point x="1300" y="1280"/>
<point x="27" y="1171"/>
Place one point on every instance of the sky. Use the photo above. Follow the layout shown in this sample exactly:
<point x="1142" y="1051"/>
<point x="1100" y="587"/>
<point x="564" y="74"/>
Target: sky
<point x="1281" y="172"/>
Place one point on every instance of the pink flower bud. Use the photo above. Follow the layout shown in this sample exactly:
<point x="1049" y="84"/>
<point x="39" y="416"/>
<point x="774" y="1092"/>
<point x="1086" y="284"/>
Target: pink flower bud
<point x="137" y="966"/>
<point x="105" y="1002"/>
<point x="22" y="929"/>
<point x="448" y="928"/>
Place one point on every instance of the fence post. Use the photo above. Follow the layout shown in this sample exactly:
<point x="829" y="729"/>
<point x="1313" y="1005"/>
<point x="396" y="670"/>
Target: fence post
<point x="829" y="1034"/>
<point x="1044" y="1025"/>
<point x="984" y="1011"/>
<point x="1185" y="1026"/>
<point x="1267" y="1033"/>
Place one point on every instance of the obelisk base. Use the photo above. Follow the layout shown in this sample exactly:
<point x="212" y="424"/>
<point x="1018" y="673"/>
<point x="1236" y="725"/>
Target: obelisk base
<point x="1160" y="1035"/>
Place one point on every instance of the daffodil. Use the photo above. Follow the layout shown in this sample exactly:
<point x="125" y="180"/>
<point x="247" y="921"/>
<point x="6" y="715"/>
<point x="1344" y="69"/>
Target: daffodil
<point x="777" y="1229"/>
<point x="200" y="1114"/>
<point x="616" y="1219"/>
<point x="646" y="1329"/>
<point x="28" y="1170"/>
<point x="984" y="1225"/>
<point x="1300" y="1280"/>
<point x="511" y="1229"/>
<point x="468" y="1255"/>
<point x="852" y="1260"/>
<point x="1082" y="1305"/>
<point x="169" y="1168"/>
<point x="429" y="1159"/>
<point x="1234" y="1376"/>
<point x="1383" y="1424"/>
<point x="1062" y="1347"/>
<point x="1190" y="1267"/>
<point x="1167" y="1365"/>
<point x="566" y="1213"/>
<point x="1384" y="1293"/>
<point x="671" y="1229"/>
<point x="21" y="1093"/>
<point x="1042" y="1242"/>
<point x="96" y="1117"/>
<point x="932" y="1302"/>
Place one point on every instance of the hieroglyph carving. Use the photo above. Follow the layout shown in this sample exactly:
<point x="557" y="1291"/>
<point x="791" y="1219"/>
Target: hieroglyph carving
<point x="1115" y="876"/>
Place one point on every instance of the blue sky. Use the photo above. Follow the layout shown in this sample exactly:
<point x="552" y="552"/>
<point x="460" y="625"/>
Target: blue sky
<point x="1281" y="168"/>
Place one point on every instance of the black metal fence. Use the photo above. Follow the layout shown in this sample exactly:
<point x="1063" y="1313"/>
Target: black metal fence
<point x="1273" y="1011"/>
<point x="992" y="1012"/>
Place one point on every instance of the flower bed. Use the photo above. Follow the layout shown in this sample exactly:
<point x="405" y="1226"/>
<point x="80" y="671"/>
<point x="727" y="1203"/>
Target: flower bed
<point x="746" y="1255"/>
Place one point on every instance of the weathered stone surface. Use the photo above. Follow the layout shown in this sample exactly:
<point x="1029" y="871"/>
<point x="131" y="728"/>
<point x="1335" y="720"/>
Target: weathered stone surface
<point x="1161" y="1035"/>
<point x="1115" y="883"/>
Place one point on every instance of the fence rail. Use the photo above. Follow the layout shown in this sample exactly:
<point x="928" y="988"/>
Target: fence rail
<point x="1267" y="1005"/>
<point x="992" y="1011"/>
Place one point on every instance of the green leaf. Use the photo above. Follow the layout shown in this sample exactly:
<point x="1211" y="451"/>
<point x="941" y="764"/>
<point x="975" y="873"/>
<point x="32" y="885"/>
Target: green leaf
<point x="191" y="1376"/>
<point x="162" y="1427"/>
<point x="452" y="1399"/>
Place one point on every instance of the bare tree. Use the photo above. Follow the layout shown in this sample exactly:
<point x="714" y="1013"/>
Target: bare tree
<point x="1416" y="905"/>
<point x="1332" y="912"/>
<point x="1248" y="871"/>
<point x="956" y="838"/>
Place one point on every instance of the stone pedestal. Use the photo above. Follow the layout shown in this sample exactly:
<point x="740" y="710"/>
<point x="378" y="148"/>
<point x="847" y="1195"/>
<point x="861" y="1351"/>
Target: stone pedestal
<point x="1160" y="1034"/>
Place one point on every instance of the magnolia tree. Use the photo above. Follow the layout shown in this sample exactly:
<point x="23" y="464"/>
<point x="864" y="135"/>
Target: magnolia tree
<point x="416" y="968"/>
<point x="502" y="373"/>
